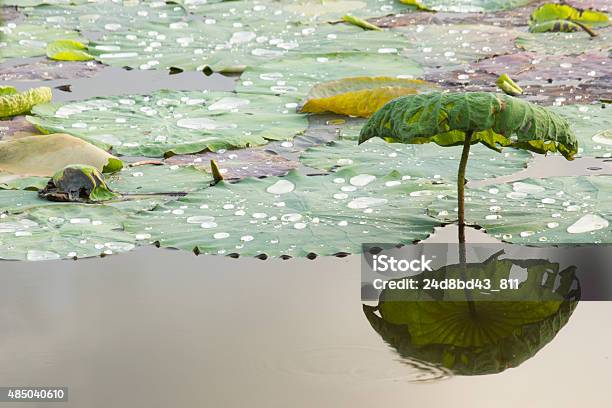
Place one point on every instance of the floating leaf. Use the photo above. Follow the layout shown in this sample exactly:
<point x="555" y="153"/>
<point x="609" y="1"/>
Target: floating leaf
<point x="592" y="125"/>
<point x="77" y="183"/>
<point x="29" y="40"/>
<point x="294" y="215"/>
<point x="152" y="179"/>
<point x="360" y="96"/>
<point x="44" y="69"/>
<point x="360" y="22"/>
<point x="506" y="84"/>
<point x="168" y="122"/>
<point x="495" y="121"/>
<point x="559" y="210"/>
<point x="13" y="103"/>
<point x="68" y="50"/>
<point x="456" y="44"/>
<point x="62" y="230"/>
<point x="564" y="26"/>
<point x="555" y="12"/>
<point x="239" y="164"/>
<point x="297" y="75"/>
<point x="44" y="155"/>
<point x="417" y="161"/>
<point x="566" y="43"/>
<point x="473" y="6"/>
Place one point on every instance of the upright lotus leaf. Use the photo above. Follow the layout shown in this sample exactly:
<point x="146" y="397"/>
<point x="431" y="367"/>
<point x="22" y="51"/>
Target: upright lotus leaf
<point x="418" y="161"/>
<point x="506" y="84"/>
<point x="593" y="127"/>
<point x="15" y="103"/>
<point x="29" y="40"/>
<point x="360" y="22"/>
<point x="494" y="120"/>
<point x="360" y="96"/>
<point x="294" y="215"/>
<point x="564" y="12"/>
<point x="44" y="155"/>
<point x="558" y="210"/>
<point x="564" y="26"/>
<point x="489" y="337"/>
<point x="174" y="122"/>
<point x="68" y="50"/>
<point x="298" y="74"/>
<point x="78" y="183"/>
<point x="451" y="119"/>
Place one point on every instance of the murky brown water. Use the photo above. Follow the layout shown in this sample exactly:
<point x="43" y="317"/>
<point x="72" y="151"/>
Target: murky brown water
<point x="161" y="328"/>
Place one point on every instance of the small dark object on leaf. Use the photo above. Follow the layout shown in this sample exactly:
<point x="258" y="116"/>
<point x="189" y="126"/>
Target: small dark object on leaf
<point x="77" y="183"/>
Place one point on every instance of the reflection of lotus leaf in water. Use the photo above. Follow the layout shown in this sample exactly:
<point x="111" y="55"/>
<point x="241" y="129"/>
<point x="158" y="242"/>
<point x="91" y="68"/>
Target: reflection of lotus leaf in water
<point x="494" y="334"/>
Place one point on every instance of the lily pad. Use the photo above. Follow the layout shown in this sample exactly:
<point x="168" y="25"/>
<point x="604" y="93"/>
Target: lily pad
<point x="294" y="215"/>
<point x="360" y="96"/>
<point x="451" y="46"/>
<point x="62" y="231"/>
<point x="566" y="43"/>
<point x="239" y="164"/>
<point x="68" y="50"/>
<point x="153" y="179"/>
<point x="174" y="122"/>
<point x="473" y="6"/>
<point x="592" y="125"/>
<point x="29" y="40"/>
<point x="558" y="210"/>
<point x="44" y="155"/>
<point x="419" y="161"/>
<point x="296" y="75"/>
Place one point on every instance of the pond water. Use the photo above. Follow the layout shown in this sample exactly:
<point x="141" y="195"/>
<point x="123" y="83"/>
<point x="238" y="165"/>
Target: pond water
<point x="160" y="328"/>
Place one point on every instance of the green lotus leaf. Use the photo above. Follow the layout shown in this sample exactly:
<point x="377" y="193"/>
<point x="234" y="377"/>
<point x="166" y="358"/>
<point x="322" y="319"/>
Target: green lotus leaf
<point x="592" y="125"/>
<point x="473" y="6"/>
<point x="360" y="22"/>
<point x="419" y="161"/>
<point x="12" y="104"/>
<point x="480" y="336"/>
<point x="551" y="12"/>
<point x="453" y="46"/>
<point x="296" y="75"/>
<point x="30" y="40"/>
<point x="173" y="122"/>
<point x="7" y="90"/>
<point x="558" y="210"/>
<point x="63" y="230"/>
<point x="574" y="43"/>
<point x="294" y="215"/>
<point x="78" y="183"/>
<point x="151" y="179"/>
<point x="495" y="121"/>
<point x="564" y="26"/>
<point x="68" y="50"/>
<point x="506" y="84"/>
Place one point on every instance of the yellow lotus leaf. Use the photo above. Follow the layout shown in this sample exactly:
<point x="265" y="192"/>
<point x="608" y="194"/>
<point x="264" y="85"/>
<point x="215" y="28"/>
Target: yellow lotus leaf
<point x="360" y="96"/>
<point x="44" y="155"/>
